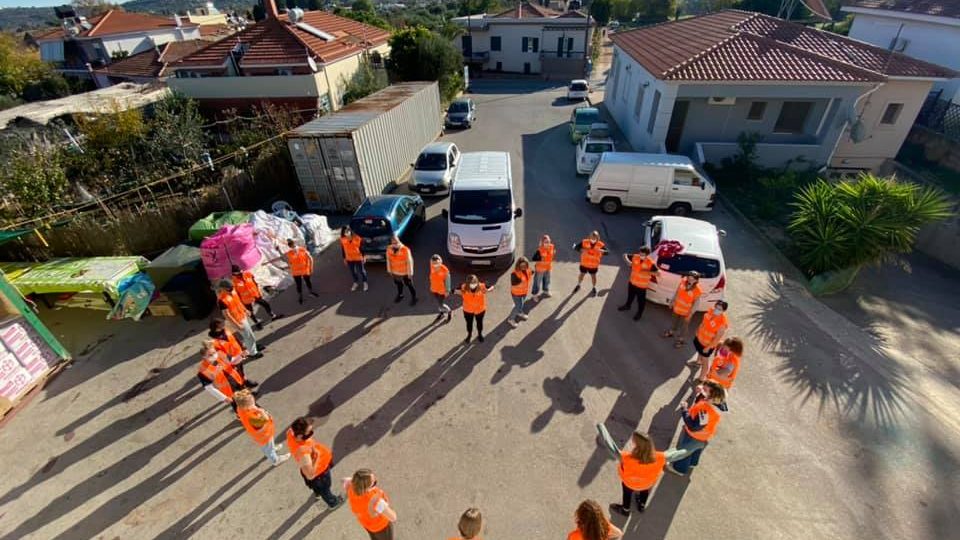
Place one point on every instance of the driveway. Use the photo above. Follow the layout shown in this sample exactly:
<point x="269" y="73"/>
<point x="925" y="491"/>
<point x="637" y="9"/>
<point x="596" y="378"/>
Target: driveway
<point x="826" y="437"/>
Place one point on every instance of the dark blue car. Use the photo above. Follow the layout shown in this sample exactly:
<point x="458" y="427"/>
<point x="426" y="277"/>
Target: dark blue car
<point x="382" y="216"/>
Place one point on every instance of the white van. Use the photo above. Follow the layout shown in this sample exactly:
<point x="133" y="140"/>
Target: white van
<point x="650" y="181"/>
<point x="481" y="219"/>
<point x="701" y="253"/>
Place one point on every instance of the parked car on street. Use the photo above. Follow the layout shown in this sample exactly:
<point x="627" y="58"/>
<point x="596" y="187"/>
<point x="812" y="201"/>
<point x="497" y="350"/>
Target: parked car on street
<point x="592" y="147"/>
<point x="462" y="112"/>
<point x="701" y="253"/>
<point x="578" y="89"/>
<point x="580" y="121"/>
<point x="382" y="216"/>
<point x="650" y="181"/>
<point x="434" y="169"/>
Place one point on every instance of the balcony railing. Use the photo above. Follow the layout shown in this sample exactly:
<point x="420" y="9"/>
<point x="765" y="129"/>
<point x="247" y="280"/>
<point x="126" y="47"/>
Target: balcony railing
<point x="573" y="55"/>
<point x="476" y="56"/>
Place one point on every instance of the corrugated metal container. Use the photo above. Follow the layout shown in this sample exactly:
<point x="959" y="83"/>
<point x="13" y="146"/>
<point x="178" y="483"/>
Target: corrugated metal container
<point x="364" y="147"/>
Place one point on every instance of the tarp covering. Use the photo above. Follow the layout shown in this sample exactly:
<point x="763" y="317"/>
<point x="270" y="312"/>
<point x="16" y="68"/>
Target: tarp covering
<point x="209" y="225"/>
<point x="6" y="236"/>
<point x="136" y="291"/>
<point x="181" y="258"/>
<point x="231" y="245"/>
<point x="69" y="275"/>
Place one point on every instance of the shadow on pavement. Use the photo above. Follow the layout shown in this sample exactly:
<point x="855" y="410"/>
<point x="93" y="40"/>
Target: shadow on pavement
<point x="654" y="523"/>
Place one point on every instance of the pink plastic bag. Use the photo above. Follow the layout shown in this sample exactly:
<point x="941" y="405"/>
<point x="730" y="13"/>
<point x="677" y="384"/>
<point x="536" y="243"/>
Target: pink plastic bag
<point x="232" y="244"/>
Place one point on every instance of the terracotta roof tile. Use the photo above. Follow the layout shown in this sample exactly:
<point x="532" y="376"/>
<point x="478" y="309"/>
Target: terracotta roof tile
<point x="936" y="8"/>
<point x="151" y="63"/>
<point x="526" y="10"/>
<point x="277" y="42"/>
<point x="742" y="46"/>
<point x="117" y="21"/>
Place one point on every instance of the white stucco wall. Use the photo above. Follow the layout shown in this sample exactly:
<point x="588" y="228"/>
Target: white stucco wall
<point x="936" y="42"/>
<point x="340" y="72"/>
<point x="624" y="81"/>
<point x="135" y="43"/>
<point x="511" y="40"/>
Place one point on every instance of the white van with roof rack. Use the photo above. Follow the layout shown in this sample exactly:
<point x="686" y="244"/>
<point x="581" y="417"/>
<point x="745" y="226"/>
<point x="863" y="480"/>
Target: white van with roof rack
<point x="481" y="220"/>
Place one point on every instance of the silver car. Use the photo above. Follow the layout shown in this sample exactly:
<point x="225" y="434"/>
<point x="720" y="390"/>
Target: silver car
<point x="462" y="112"/>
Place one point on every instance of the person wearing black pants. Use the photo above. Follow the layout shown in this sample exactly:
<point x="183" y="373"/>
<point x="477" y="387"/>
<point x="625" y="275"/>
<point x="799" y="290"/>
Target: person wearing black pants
<point x="640" y="469"/>
<point x="474" y="295"/>
<point x="642" y="268"/>
<point x="315" y="461"/>
<point x="400" y="268"/>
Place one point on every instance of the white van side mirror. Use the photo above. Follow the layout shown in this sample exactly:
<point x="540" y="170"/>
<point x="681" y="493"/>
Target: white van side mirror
<point x="445" y="213"/>
<point x="518" y="213"/>
<point x="721" y="233"/>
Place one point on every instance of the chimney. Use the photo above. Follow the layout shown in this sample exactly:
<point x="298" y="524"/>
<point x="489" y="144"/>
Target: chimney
<point x="270" y="7"/>
<point x="177" y="21"/>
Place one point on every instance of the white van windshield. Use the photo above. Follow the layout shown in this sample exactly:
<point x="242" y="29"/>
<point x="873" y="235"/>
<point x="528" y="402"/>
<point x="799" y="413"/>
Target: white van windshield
<point x="480" y="207"/>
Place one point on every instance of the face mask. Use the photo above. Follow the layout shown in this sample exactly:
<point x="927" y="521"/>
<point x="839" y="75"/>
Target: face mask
<point x="717" y="310"/>
<point x="474" y="286"/>
<point x="436" y="264"/>
<point x="349" y="234"/>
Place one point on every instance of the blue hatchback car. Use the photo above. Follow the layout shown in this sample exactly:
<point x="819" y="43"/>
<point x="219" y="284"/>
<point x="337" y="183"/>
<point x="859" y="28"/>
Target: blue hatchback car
<point x="382" y="216"/>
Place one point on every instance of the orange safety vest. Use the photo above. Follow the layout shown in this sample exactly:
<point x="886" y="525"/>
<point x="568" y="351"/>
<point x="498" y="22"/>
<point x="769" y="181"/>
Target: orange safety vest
<point x="710" y="326"/>
<point x="292" y="442"/>
<point x="319" y="454"/>
<point x="265" y="432"/>
<point x="399" y="260"/>
<point x="474" y="302"/>
<point x="363" y="507"/>
<point x="713" y="418"/>
<point x="641" y="476"/>
<point x="351" y="248"/>
<point x="723" y="363"/>
<point x="685" y="300"/>
<point x="225" y="377"/>
<point x="640" y="271"/>
<point x="235" y="308"/>
<point x="438" y="279"/>
<point x="246" y="288"/>
<point x="590" y="253"/>
<point x="545" y="264"/>
<point x="230" y="346"/>
<point x="300" y="263"/>
<point x="576" y="535"/>
<point x="523" y="287"/>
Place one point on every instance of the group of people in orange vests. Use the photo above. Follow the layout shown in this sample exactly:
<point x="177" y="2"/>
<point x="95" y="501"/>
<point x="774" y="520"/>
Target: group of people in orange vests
<point x="222" y="375"/>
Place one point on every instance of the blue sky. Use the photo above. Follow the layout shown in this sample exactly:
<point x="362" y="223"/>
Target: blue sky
<point x="35" y="3"/>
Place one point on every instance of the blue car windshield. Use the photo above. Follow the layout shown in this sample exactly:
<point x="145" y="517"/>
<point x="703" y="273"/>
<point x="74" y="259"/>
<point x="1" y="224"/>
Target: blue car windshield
<point x="585" y="118"/>
<point x="480" y="207"/>
<point x="369" y="227"/>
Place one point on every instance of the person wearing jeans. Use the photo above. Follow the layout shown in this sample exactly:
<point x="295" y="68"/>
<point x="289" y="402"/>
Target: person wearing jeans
<point x="699" y="425"/>
<point x="315" y="461"/>
<point x="519" y="286"/>
<point x="353" y="257"/>
<point x="259" y="426"/>
<point x="543" y="265"/>
<point x="440" y="285"/>
<point x="237" y="316"/>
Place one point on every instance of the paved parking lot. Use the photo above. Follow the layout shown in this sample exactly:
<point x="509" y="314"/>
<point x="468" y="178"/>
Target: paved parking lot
<point x="828" y="436"/>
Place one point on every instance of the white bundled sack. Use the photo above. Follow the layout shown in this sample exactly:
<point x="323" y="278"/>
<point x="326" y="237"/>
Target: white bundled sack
<point x="271" y="234"/>
<point x="320" y="235"/>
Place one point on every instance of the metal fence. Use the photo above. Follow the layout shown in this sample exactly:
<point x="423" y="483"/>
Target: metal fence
<point x="940" y="115"/>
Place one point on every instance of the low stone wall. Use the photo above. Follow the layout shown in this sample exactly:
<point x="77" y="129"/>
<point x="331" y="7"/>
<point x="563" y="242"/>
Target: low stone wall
<point x="940" y="240"/>
<point x="937" y="148"/>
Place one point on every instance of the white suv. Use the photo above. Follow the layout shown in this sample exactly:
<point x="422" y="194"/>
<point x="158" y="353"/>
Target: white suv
<point x="701" y="252"/>
<point x="579" y="89"/>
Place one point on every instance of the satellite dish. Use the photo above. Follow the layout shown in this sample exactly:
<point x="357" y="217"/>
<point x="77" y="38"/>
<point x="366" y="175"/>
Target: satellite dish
<point x="313" y="64"/>
<point x="858" y="131"/>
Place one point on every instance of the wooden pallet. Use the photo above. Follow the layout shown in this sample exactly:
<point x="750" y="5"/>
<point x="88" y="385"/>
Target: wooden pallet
<point x="9" y="406"/>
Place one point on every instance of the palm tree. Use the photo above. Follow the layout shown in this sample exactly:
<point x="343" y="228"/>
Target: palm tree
<point x="869" y="220"/>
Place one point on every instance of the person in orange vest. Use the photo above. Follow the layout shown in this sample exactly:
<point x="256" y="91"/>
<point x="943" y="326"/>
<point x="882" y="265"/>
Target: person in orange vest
<point x="249" y="292"/>
<point x="315" y="461"/>
<point x="591" y="250"/>
<point x="217" y="376"/>
<point x="699" y="425"/>
<point x="370" y="504"/>
<point x="592" y="523"/>
<point x="400" y="267"/>
<point x="237" y="317"/>
<point x="470" y="525"/>
<point x="226" y="343"/>
<point x="520" y="280"/>
<point x="642" y="269"/>
<point x="710" y="333"/>
<point x="726" y="363"/>
<point x="353" y="257"/>
<point x="301" y="268"/>
<point x="640" y="468"/>
<point x="259" y="425"/>
<point x="474" y="295"/>
<point x="684" y="305"/>
<point x="440" y="285"/>
<point x="543" y="265"/>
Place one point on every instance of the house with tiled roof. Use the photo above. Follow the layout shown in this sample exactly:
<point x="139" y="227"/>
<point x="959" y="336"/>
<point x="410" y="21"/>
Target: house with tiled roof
<point x="812" y="98"/>
<point x="295" y="59"/>
<point x="925" y="29"/>
<point x="152" y="65"/>
<point x="527" y="38"/>
<point x="79" y="46"/>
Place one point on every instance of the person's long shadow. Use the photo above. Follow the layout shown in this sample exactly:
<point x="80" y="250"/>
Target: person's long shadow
<point x="108" y="435"/>
<point x="294" y="517"/>
<point x="121" y="504"/>
<point x="528" y="351"/>
<point x="199" y="516"/>
<point x="412" y="401"/>
<point x="654" y="523"/>
<point x="365" y="375"/>
<point x="325" y="352"/>
<point x="302" y="318"/>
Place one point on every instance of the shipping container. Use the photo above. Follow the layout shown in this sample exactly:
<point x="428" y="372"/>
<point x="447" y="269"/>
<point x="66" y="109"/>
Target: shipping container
<point x="365" y="147"/>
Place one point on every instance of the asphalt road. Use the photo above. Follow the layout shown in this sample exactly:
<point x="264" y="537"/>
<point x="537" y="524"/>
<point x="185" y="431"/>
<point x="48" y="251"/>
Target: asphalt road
<point x="827" y="437"/>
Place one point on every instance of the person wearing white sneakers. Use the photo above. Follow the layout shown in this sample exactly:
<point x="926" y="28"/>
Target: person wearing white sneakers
<point x="519" y="287"/>
<point x="259" y="425"/>
<point x="353" y="257"/>
<point x="543" y="264"/>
